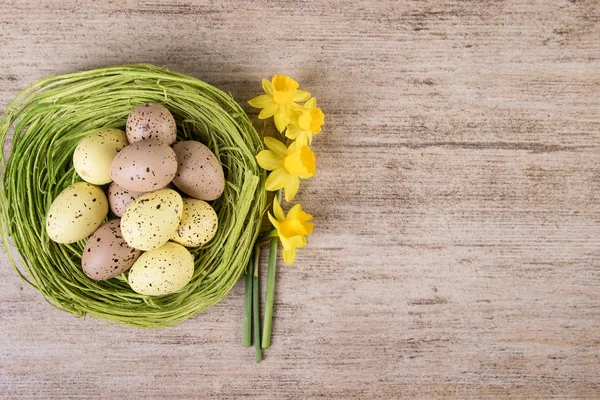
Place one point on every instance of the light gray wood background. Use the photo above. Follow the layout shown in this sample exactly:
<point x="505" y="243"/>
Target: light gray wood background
<point x="456" y="252"/>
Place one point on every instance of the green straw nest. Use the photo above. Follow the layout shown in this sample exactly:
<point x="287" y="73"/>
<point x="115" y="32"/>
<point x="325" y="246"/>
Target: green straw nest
<point x="50" y="117"/>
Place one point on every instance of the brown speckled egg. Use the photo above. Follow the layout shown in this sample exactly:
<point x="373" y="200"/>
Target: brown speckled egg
<point x="199" y="172"/>
<point x="150" y="221"/>
<point x="144" y="166"/>
<point x="119" y="198"/>
<point x="162" y="271"/>
<point x="198" y="223"/>
<point x="151" y="121"/>
<point x="106" y="254"/>
<point x="76" y="213"/>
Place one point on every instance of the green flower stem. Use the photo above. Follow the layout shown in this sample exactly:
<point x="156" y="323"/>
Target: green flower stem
<point x="270" y="297"/>
<point x="256" y="305"/>
<point x="247" y="333"/>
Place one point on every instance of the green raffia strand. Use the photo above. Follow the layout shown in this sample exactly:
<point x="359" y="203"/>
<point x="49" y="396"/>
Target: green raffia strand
<point x="270" y="296"/>
<point x="51" y="116"/>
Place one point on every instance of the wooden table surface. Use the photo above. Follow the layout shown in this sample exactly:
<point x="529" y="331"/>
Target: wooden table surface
<point x="456" y="252"/>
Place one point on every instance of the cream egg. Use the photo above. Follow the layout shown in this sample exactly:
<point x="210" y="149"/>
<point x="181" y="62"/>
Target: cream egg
<point x="76" y="213"/>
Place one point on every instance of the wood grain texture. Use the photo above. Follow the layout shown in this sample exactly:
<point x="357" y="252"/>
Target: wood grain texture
<point x="456" y="252"/>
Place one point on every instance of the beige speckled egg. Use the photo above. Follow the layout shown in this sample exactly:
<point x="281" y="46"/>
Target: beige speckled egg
<point x="144" y="166"/>
<point x="199" y="172"/>
<point x="119" y="198"/>
<point x="106" y="254"/>
<point x="150" y="221"/>
<point x="94" y="154"/>
<point x="198" y="223"/>
<point x="162" y="271"/>
<point x="76" y="213"/>
<point x="151" y="121"/>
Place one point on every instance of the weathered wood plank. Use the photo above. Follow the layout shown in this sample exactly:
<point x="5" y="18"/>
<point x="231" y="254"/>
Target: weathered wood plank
<point x="457" y="244"/>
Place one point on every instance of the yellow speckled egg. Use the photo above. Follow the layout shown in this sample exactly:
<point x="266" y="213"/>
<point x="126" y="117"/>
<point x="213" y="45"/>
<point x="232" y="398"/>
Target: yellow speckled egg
<point x="95" y="153"/>
<point x="150" y="221"/>
<point x="76" y="213"/>
<point x="161" y="271"/>
<point x="198" y="223"/>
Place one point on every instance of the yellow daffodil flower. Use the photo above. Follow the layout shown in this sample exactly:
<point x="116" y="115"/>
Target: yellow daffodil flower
<point x="289" y="165"/>
<point x="309" y="122"/>
<point x="280" y="100"/>
<point x="292" y="230"/>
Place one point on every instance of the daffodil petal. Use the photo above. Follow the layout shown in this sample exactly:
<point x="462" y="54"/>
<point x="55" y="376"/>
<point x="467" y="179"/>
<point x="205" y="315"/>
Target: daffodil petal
<point x="267" y="86"/>
<point x="311" y="103"/>
<point x="291" y="188"/>
<point x="295" y="107"/>
<point x="268" y="111"/>
<point x="289" y="255"/>
<point x="302" y="139"/>
<point x="269" y="160"/>
<point x="277" y="179"/>
<point x="292" y="147"/>
<point x="281" y="121"/>
<point x="298" y="241"/>
<point x="294" y="211"/>
<point x="261" y="101"/>
<point x="274" y="222"/>
<point x="276" y="146"/>
<point x="277" y="210"/>
<point x="284" y="242"/>
<point x="292" y="131"/>
<point x="301" y="95"/>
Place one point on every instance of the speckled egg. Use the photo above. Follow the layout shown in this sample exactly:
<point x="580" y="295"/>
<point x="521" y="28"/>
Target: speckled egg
<point x="150" y="221"/>
<point x="119" y="198"/>
<point x="199" y="172"/>
<point x="106" y="254"/>
<point x="198" y="223"/>
<point x="144" y="166"/>
<point x="95" y="152"/>
<point x="162" y="271"/>
<point x="76" y="213"/>
<point x="151" y="121"/>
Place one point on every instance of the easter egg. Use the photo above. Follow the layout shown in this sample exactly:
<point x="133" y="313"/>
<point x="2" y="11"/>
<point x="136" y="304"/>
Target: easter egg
<point x="151" y="219"/>
<point x="199" y="172"/>
<point x="106" y="254"/>
<point x="161" y="271"/>
<point x="76" y="213"/>
<point x="198" y="223"/>
<point x="94" y="154"/>
<point x="151" y="121"/>
<point x="144" y="166"/>
<point x="119" y="198"/>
